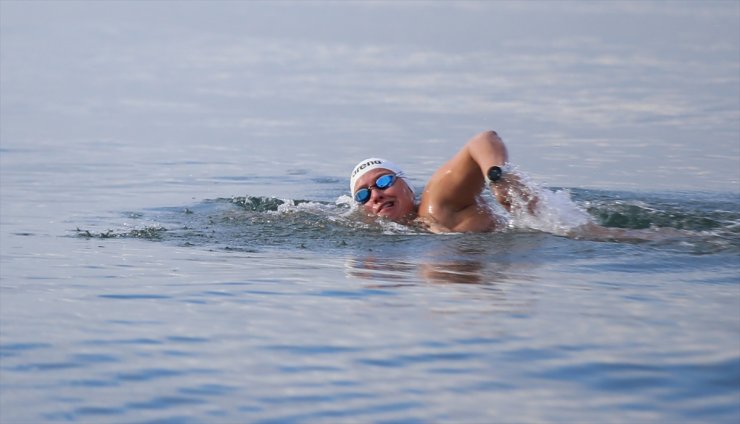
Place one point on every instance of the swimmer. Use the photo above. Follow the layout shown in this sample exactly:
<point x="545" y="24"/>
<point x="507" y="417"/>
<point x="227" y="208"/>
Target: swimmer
<point x="452" y="198"/>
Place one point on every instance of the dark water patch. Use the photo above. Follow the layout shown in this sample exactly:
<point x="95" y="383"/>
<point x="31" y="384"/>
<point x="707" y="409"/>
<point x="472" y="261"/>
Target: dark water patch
<point x="327" y="180"/>
<point x="576" y="348"/>
<point x="175" y="419"/>
<point x="297" y="171"/>
<point x="486" y="386"/>
<point x="134" y="296"/>
<point x="435" y="357"/>
<point x="9" y="350"/>
<point x="678" y="381"/>
<point x="195" y="301"/>
<point x="452" y="371"/>
<point x="259" y="204"/>
<point x="354" y="294"/>
<point x="235" y="249"/>
<point x="218" y="293"/>
<point x="187" y="339"/>
<point x="724" y="412"/>
<point x="236" y="283"/>
<point x="183" y="162"/>
<point x="86" y="411"/>
<point x="127" y="322"/>
<point x="381" y="362"/>
<point x="532" y="354"/>
<point x="266" y="293"/>
<point x="165" y="402"/>
<point x="92" y="383"/>
<point x="94" y="358"/>
<point x="177" y="353"/>
<point x="296" y="399"/>
<point x="345" y="383"/>
<point x="302" y="350"/>
<point x="40" y="278"/>
<point x="636" y="216"/>
<point x="476" y="341"/>
<point x="208" y="390"/>
<point x="402" y="361"/>
<point x="15" y="150"/>
<point x="689" y="211"/>
<point x="720" y="375"/>
<point x="149" y="374"/>
<point x="44" y="366"/>
<point x="149" y="233"/>
<point x="312" y="399"/>
<point x="299" y="369"/>
<point x="230" y="178"/>
<point x="144" y="341"/>
<point x="351" y="413"/>
<point x="286" y="178"/>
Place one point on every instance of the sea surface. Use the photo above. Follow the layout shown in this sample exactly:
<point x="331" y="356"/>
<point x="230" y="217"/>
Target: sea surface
<point x="177" y="244"/>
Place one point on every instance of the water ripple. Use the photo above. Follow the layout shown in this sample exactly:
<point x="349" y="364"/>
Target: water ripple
<point x="621" y="376"/>
<point x="150" y="374"/>
<point x="15" y="349"/>
<point x="302" y="350"/>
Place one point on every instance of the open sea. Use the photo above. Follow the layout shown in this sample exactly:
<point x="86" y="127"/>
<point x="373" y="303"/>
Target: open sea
<point x="177" y="244"/>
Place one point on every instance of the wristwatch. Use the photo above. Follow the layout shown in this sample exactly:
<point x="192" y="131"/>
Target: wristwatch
<point x="494" y="174"/>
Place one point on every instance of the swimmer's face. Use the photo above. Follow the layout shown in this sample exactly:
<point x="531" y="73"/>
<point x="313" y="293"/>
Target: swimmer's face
<point x="395" y="202"/>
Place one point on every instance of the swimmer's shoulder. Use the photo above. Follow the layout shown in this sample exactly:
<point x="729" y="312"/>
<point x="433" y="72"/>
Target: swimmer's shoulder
<point x="475" y="218"/>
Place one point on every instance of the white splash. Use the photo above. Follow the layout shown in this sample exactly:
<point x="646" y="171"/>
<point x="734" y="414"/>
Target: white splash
<point x="554" y="211"/>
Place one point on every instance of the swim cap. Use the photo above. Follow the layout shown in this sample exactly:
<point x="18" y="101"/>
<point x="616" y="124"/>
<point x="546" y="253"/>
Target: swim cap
<point x="369" y="164"/>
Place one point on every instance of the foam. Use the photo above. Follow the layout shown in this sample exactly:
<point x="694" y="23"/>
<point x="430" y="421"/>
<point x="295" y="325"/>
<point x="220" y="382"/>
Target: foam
<point x="554" y="213"/>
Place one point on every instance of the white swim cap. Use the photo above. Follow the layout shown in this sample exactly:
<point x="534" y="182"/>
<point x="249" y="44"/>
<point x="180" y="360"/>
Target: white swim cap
<point x="369" y="164"/>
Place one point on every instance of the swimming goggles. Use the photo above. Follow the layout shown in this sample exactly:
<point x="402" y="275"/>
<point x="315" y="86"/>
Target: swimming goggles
<point x="383" y="182"/>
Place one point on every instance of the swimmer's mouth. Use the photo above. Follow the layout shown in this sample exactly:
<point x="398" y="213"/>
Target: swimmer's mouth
<point x="385" y="206"/>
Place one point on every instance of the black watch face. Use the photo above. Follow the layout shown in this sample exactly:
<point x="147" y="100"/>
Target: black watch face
<point x="494" y="173"/>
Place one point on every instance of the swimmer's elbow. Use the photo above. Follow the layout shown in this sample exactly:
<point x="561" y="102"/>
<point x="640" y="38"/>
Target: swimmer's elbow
<point x="490" y="133"/>
<point x="487" y="149"/>
<point x="489" y="137"/>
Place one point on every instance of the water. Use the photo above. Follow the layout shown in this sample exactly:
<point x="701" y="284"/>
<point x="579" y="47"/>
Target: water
<point x="177" y="245"/>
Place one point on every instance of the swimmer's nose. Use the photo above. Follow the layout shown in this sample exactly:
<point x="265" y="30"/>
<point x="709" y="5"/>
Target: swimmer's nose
<point x="376" y="195"/>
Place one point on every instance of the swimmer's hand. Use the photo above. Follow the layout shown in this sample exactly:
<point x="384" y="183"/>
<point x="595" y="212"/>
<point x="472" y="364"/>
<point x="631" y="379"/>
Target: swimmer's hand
<point x="513" y="194"/>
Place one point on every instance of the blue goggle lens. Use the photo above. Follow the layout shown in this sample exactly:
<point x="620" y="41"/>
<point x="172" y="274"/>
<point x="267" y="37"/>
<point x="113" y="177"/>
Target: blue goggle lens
<point x="363" y="195"/>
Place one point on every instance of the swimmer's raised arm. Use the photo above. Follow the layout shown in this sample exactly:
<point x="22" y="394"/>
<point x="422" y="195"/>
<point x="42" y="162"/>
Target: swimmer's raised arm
<point x="487" y="150"/>
<point x="459" y="180"/>
<point x="452" y="200"/>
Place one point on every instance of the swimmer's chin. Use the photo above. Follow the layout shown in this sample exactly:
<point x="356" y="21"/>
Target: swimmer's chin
<point x="393" y="216"/>
<point x="404" y="219"/>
